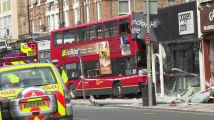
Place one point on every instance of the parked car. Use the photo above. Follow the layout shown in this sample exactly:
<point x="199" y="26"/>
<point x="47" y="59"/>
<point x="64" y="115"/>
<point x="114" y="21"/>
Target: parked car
<point x="33" y="91"/>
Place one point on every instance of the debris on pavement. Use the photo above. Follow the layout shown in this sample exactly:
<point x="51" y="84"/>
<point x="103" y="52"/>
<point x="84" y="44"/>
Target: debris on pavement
<point x="102" y="102"/>
<point x="206" y="96"/>
<point x="159" y="100"/>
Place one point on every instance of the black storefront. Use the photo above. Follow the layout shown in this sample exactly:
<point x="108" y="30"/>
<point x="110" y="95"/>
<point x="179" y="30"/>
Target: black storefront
<point x="177" y="34"/>
<point x="177" y="62"/>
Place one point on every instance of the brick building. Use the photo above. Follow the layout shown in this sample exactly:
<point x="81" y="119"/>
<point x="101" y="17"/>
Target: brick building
<point x="46" y="15"/>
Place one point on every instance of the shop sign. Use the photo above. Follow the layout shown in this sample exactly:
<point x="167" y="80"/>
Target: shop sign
<point x="186" y="22"/>
<point x="207" y="19"/>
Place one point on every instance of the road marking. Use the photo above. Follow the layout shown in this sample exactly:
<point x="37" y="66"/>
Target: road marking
<point x="80" y="119"/>
<point x="149" y="113"/>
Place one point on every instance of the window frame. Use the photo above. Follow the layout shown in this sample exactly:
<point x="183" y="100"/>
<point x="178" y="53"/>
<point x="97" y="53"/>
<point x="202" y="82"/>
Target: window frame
<point x="129" y="7"/>
<point x="55" y="41"/>
<point x="107" y="28"/>
<point x="97" y="33"/>
<point x="81" y="30"/>
<point x="74" y="37"/>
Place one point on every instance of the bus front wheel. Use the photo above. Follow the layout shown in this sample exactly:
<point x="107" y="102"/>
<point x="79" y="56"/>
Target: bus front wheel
<point x="117" y="90"/>
<point x="72" y="90"/>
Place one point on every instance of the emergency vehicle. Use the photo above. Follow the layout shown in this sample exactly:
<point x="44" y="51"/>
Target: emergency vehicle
<point x="34" y="91"/>
<point x="28" y="54"/>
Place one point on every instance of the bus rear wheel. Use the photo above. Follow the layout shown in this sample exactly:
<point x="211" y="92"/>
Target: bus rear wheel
<point x="72" y="90"/>
<point x="117" y="90"/>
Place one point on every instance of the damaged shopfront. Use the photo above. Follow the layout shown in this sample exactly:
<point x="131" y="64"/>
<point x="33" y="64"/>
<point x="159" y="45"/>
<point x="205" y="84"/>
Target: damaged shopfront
<point x="175" y="53"/>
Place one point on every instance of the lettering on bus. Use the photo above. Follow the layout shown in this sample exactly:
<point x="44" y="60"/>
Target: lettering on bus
<point x="98" y="82"/>
<point x="89" y="49"/>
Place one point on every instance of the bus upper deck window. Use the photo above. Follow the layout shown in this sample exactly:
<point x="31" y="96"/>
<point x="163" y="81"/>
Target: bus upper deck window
<point x="58" y="38"/>
<point x="82" y="34"/>
<point x="69" y="36"/>
<point x="125" y="26"/>
<point x="96" y="31"/>
<point x="111" y="29"/>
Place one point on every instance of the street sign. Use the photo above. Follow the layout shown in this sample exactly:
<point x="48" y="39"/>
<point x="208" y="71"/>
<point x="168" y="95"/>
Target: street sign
<point x="147" y="38"/>
<point x="79" y="53"/>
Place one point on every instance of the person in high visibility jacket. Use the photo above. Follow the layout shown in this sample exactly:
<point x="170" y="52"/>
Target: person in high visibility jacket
<point x="64" y="76"/>
<point x="13" y="78"/>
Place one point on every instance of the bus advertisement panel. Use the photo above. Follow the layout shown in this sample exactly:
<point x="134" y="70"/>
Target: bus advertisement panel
<point x="111" y="60"/>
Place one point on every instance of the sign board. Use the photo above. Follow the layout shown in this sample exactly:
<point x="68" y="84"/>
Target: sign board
<point x="12" y="55"/>
<point x="79" y="53"/>
<point x="207" y="19"/>
<point x="89" y="49"/>
<point x="44" y="45"/>
<point x="139" y="25"/>
<point x="186" y="22"/>
<point x="147" y="39"/>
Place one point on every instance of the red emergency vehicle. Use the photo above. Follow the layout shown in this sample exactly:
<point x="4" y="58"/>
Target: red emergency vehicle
<point x="112" y="62"/>
<point x="28" y="53"/>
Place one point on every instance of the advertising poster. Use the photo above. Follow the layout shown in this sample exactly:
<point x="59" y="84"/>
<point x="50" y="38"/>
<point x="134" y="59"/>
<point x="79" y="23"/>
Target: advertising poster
<point x="105" y="61"/>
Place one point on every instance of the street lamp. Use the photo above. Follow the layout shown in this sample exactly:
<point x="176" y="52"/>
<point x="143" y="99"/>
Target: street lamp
<point x="149" y="8"/>
<point x="149" y="55"/>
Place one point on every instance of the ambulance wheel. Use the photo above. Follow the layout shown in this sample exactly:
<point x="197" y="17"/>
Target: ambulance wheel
<point x="72" y="91"/>
<point x="118" y="90"/>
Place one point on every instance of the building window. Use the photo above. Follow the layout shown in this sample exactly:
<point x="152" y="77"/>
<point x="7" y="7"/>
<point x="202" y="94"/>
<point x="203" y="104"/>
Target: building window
<point x="1" y="28"/>
<point x="6" y="5"/>
<point x="124" y="7"/>
<point x="66" y="15"/>
<point x="7" y="26"/>
<point x="0" y="6"/>
<point x="76" y="11"/>
<point x="49" y="25"/>
<point x="56" y="19"/>
<point x="87" y="11"/>
<point x="66" y="18"/>
<point x="32" y="26"/>
<point x="38" y="2"/>
<point x="40" y="24"/>
<point x="99" y="10"/>
<point x="30" y="3"/>
<point x="171" y="2"/>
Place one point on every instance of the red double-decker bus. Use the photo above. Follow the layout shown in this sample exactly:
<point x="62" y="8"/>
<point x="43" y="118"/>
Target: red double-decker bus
<point x="112" y="62"/>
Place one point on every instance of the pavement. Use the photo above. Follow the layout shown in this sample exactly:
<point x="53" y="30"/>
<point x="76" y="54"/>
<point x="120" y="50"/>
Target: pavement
<point x="200" y="107"/>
